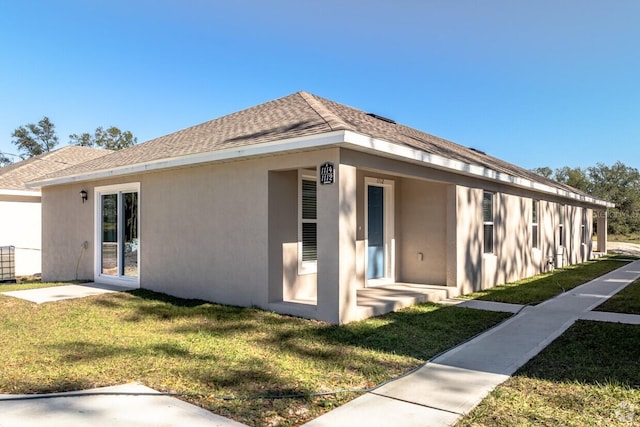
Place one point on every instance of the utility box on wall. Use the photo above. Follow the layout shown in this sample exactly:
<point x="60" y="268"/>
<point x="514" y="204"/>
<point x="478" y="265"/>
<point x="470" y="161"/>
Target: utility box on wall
<point x="7" y="264"/>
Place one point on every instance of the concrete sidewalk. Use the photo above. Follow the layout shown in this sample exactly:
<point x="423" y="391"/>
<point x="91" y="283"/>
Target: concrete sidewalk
<point x="448" y="387"/>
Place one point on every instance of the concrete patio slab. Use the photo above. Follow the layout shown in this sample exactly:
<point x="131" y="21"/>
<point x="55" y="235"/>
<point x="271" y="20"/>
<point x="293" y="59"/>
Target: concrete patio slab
<point x="58" y="293"/>
<point x="123" y="406"/>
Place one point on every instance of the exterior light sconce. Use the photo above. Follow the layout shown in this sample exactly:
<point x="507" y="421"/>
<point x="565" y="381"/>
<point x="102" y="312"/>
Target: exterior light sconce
<point x="84" y="196"/>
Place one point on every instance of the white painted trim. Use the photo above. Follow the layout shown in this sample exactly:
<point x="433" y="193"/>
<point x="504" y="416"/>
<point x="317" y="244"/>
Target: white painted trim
<point x="126" y="281"/>
<point x="407" y="153"/>
<point x="293" y="144"/>
<point x="24" y="193"/>
<point x="344" y="138"/>
<point x="389" y="231"/>
<point x="306" y="267"/>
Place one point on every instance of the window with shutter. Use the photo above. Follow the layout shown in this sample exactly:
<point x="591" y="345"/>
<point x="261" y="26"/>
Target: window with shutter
<point x="308" y="224"/>
<point x="487" y="217"/>
<point x="534" y="224"/>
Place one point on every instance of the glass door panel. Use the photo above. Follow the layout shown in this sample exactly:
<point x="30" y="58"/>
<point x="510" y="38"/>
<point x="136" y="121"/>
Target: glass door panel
<point x="130" y="234"/>
<point x="375" y="233"/>
<point x="109" y="243"/>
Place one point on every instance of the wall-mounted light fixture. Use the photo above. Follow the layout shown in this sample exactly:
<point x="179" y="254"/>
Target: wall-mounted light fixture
<point x="83" y="195"/>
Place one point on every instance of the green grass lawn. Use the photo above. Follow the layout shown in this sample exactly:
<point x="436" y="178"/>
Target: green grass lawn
<point x="625" y="301"/>
<point x="540" y="288"/>
<point x="210" y="351"/>
<point x="590" y="376"/>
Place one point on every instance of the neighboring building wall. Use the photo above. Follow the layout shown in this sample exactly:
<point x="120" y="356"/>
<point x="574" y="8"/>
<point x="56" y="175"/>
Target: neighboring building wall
<point x="20" y="227"/>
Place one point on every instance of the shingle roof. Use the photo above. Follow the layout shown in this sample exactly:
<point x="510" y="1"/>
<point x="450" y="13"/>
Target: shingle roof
<point x="296" y="115"/>
<point x="14" y="176"/>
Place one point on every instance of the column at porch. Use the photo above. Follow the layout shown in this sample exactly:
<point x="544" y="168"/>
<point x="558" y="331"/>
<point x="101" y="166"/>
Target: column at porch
<point x="336" y="274"/>
<point x="602" y="232"/>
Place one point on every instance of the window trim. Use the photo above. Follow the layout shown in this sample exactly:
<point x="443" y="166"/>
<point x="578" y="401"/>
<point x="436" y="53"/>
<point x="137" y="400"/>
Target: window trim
<point x="561" y="230"/>
<point x="491" y="223"/>
<point x="98" y="192"/>
<point x="306" y="267"/>
<point x="535" y="224"/>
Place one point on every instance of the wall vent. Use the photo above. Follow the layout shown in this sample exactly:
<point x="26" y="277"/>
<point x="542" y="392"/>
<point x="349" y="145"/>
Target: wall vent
<point x="384" y="119"/>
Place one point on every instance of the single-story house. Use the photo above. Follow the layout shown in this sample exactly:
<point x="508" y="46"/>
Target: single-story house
<point x="308" y="207"/>
<point x="20" y="221"/>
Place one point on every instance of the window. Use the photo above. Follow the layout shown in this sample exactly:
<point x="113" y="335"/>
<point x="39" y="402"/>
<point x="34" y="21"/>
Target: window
<point x="487" y="218"/>
<point x="308" y="230"/>
<point x="534" y="224"/>
<point x="583" y="228"/>
<point x="561" y="227"/>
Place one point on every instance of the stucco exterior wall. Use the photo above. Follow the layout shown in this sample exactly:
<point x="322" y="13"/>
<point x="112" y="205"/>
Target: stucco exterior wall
<point x="20" y="226"/>
<point x="228" y="232"/>
<point x="203" y="230"/>
<point x="421" y="218"/>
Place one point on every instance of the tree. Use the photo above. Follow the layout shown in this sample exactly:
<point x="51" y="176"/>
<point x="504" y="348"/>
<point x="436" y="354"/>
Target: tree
<point x="618" y="184"/>
<point x="547" y="172"/>
<point x="4" y="160"/>
<point x="35" y="139"/>
<point x="112" y="139"/>
<point x="574" y="177"/>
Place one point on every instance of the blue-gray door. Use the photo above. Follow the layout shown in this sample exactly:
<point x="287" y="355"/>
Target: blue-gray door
<point x="375" y="232"/>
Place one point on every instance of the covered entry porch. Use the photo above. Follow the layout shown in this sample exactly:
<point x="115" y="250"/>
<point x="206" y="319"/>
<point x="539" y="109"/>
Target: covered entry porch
<point x="375" y="242"/>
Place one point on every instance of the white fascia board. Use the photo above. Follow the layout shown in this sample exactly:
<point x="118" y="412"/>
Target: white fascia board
<point x="22" y="193"/>
<point x="336" y="138"/>
<point x="456" y="166"/>
<point x="268" y="148"/>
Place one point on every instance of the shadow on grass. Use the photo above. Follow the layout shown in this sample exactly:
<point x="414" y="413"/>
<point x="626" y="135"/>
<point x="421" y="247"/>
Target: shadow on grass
<point x="591" y="353"/>
<point x="420" y="332"/>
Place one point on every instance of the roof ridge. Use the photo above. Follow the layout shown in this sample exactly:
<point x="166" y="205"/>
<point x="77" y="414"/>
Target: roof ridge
<point x="331" y="119"/>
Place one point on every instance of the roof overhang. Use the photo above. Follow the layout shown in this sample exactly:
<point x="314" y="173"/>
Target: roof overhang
<point x="344" y="138"/>
<point x="20" y="193"/>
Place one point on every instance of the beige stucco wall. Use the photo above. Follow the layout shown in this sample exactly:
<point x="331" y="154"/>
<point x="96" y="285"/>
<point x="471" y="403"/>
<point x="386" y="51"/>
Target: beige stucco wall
<point x="228" y="233"/>
<point x="20" y="219"/>
<point x="422" y="232"/>
<point x="203" y="230"/>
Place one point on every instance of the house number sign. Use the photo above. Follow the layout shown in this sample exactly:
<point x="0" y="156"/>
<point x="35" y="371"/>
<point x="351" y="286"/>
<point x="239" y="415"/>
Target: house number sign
<point x="327" y="173"/>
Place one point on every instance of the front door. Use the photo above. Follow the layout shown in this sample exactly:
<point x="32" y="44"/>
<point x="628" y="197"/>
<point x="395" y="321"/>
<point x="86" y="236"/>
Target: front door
<point x="379" y="226"/>
<point x="117" y="252"/>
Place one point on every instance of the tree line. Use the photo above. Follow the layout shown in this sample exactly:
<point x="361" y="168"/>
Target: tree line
<point x="618" y="184"/>
<point x="34" y="139"/>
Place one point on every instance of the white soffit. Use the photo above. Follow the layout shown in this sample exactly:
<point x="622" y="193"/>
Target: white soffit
<point x="325" y="140"/>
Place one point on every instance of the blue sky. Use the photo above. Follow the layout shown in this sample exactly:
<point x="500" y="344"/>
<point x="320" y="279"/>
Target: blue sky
<point x="538" y="83"/>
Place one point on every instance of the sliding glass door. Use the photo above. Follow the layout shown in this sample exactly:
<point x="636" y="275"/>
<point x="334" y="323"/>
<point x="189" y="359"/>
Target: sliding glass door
<point x="117" y="254"/>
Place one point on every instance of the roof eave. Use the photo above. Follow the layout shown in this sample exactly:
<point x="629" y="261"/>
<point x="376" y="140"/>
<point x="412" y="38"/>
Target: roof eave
<point x="403" y="152"/>
<point x="20" y="193"/>
<point x="337" y="138"/>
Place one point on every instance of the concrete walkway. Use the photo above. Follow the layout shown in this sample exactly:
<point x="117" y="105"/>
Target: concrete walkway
<point x="448" y="387"/>
<point x="437" y="394"/>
